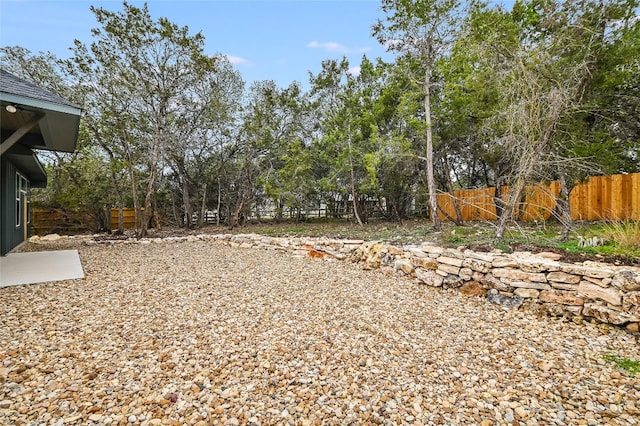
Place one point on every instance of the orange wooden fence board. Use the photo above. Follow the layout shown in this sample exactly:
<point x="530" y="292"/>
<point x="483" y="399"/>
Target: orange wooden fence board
<point x="128" y="218"/>
<point x="615" y="197"/>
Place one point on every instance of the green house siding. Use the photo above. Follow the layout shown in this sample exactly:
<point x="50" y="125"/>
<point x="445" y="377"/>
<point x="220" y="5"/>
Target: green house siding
<point x="12" y="228"/>
<point x="30" y="118"/>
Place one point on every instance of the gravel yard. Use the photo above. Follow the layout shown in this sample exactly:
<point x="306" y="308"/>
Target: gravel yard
<point x="200" y="333"/>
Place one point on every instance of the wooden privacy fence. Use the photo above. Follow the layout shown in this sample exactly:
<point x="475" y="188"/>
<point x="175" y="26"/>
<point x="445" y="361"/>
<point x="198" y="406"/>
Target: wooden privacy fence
<point x="46" y="221"/>
<point x="128" y="218"/>
<point x="614" y="197"/>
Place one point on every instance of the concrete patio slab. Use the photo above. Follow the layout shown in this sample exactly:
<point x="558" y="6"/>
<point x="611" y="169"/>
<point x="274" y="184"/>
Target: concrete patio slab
<point x="39" y="267"/>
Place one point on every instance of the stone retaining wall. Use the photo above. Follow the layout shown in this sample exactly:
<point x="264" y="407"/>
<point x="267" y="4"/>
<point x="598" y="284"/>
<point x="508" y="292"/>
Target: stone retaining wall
<point x="608" y="293"/>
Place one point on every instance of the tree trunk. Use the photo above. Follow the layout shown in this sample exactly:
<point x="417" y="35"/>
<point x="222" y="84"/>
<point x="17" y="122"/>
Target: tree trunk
<point x="353" y="188"/>
<point x="236" y="217"/>
<point x="186" y="202"/>
<point x="219" y="203"/>
<point x="151" y="186"/>
<point x="498" y="202"/>
<point x="136" y="200"/>
<point x="203" y="207"/>
<point x="431" y="184"/>
<point x="134" y="184"/>
<point x="564" y="208"/>
<point x="526" y="166"/>
<point x="120" y="193"/>
<point x="177" y="215"/>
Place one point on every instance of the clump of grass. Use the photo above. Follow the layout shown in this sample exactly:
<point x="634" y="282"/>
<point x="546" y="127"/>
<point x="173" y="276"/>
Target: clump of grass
<point x="626" y="364"/>
<point x="624" y="233"/>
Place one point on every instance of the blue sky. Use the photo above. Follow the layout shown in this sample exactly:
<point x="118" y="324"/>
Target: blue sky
<point x="265" y="39"/>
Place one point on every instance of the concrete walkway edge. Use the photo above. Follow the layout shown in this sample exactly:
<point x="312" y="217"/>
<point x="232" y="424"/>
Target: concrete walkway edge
<point x="39" y="267"/>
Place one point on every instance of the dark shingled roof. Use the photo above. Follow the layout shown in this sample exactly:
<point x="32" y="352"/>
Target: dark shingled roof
<point x="9" y="83"/>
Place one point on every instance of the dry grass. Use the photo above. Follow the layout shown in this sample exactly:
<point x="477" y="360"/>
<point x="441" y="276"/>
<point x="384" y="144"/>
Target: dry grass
<point x="624" y="233"/>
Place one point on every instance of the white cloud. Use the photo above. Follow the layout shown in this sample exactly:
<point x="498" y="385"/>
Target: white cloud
<point x="237" y="60"/>
<point x="332" y="46"/>
<point x="354" y="71"/>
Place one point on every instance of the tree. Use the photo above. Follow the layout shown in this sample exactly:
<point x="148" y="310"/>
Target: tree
<point x="348" y="131"/>
<point x="276" y="124"/>
<point x="542" y="90"/>
<point x="422" y="29"/>
<point x="152" y="67"/>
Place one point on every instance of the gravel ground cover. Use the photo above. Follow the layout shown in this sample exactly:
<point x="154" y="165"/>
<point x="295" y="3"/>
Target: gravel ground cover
<point x="201" y="333"/>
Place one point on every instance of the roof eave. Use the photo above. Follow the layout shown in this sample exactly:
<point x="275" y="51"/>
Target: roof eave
<point x="59" y="126"/>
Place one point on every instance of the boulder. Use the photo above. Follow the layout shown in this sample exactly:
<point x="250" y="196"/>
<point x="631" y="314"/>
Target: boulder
<point x="425" y="263"/>
<point x="631" y="302"/>
<point x="627" y="280"/>
<point x="429" y="277"/>
<point x="403" y="265"/>
<point x="527" y="293"/>
<point x="608" y="314"/>
<point x="509" y="302"/>
<point x="562" y="297"/>
<point x="473" y="288"/>
<point x="593" y="291"/>
<point x="563" y="277"/>
<point x="450" y="261"/>
<point x="516" y="274"/>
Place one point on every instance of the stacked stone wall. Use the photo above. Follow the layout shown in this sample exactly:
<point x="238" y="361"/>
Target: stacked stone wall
<point x="608" y="293"/>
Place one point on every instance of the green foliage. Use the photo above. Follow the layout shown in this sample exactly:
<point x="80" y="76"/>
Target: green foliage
<point x="629" y="365"/>
<point x="78" y="182"/>
<point x="545" y="90"/>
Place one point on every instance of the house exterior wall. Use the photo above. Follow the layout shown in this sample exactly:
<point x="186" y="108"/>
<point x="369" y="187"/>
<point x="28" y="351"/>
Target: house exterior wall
<point x="10" y="234"/>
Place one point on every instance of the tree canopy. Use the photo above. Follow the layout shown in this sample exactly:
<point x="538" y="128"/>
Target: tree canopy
<point x="476" y="96"/>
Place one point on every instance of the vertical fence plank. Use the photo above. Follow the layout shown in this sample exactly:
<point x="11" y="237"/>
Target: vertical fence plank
<point x="615" y="197"/>
<point x="635" y="196"/>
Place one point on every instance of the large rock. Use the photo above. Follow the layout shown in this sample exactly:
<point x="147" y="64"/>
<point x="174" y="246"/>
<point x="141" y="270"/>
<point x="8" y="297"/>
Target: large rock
<point x="425" y="263"/>
<point x="403" y="265"/>
<point x="603" y="271"/>
<point x="473" y="288"/>
<point x="562" y="297"/>
<point x="527" y="284"/>
<point x="432" y="250"/>
<point x="563" y="277"/>
<point x="477" y="265"/>
<point x="429" y="277"/>
<point x="504" y="262"/>
<point x="453" y="261"/>
<point x="631" y="302"/>
<point x="488" y="280"/>
<point x="527" y="293"/>
<point x="608" y="314"/>
<point x="530" y="263"/>
<point x="510" y="302"/>
<point x="465" y="273"/>
<point x="627" y="280"/>
<point x="393" y="250"/>
<point x="564" y="286"/>
<point x="449" y="269"/>
<point x="518" y="275"/>
<point x="452" y="281"/>
<point x="485" y="257"/>
<point x="593" y="291"/>
<point x="455" y="253"/>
